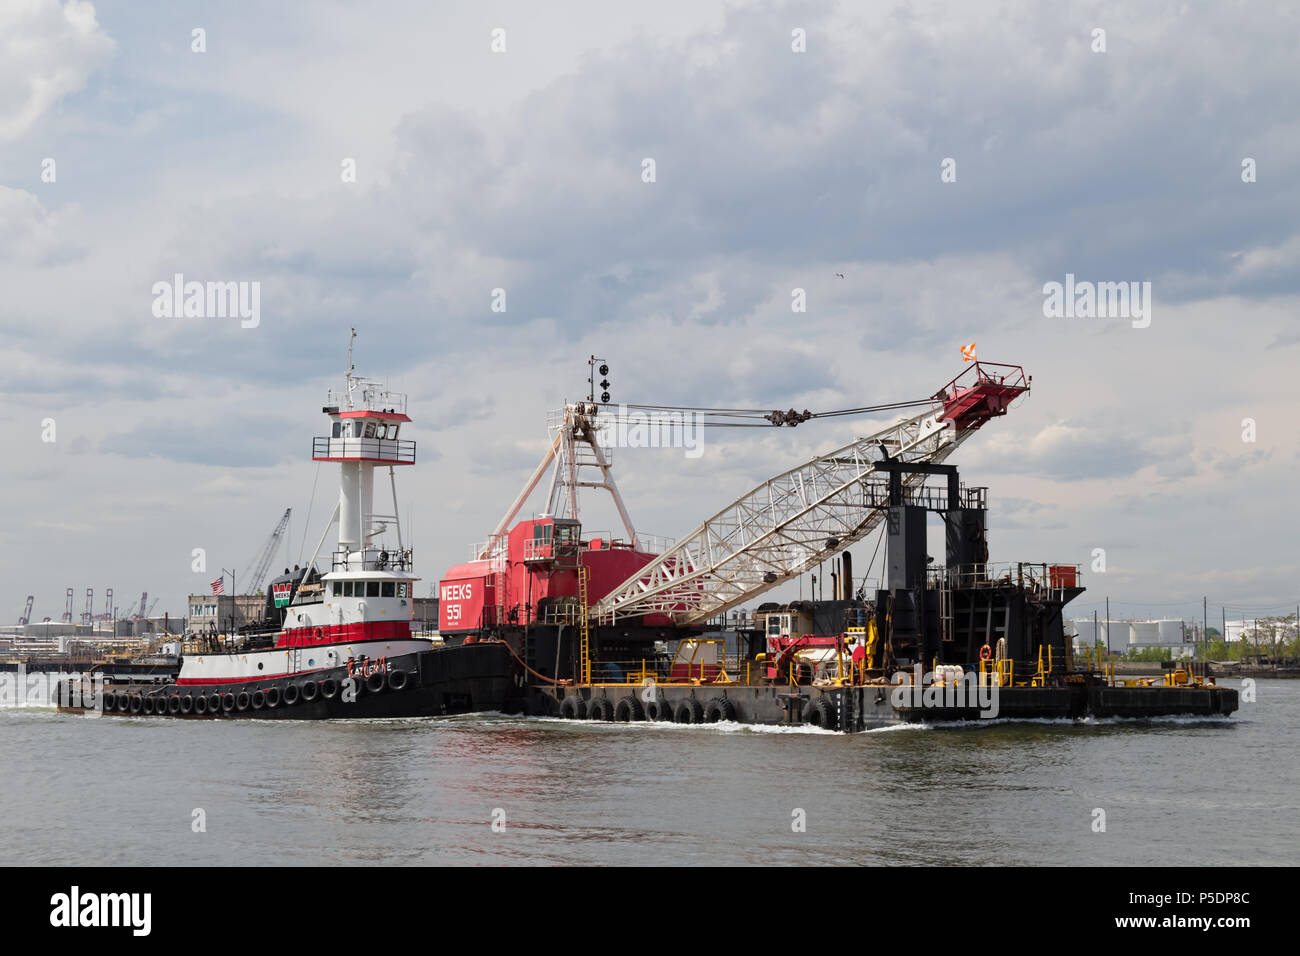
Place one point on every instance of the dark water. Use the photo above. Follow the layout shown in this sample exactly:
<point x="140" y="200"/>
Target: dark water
<point x="123" y="791"/>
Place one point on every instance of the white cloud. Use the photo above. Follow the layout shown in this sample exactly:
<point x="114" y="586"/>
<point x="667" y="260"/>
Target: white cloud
<point x="47" y="51"/>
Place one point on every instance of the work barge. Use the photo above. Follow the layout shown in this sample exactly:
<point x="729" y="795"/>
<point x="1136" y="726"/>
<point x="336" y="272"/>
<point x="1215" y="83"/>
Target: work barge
<point x="632" y="628"/>
<point x="549" y="619"/>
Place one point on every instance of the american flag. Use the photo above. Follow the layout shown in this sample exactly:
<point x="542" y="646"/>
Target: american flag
<point x="219" y="586"/>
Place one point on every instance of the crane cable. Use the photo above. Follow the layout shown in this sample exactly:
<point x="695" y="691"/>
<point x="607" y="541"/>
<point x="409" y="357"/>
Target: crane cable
<point x="760" y="418"/>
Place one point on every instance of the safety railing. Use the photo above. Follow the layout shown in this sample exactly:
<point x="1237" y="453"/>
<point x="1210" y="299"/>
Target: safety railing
<point x="876" y="494"/>
<point x="608" y="541"/>
<point x="1000" y="672"/>
<point x="493" y="549"/>
<point x="634" y="673"/>
<point x="555" y="615"/>
<point x="368" y="396"/>
<point x="561" y="552"/>
<point x="985" y="373"/>
<point x="372" y="559"/>
<point x="1039" y="577"/>
<point x="399" y="450"/>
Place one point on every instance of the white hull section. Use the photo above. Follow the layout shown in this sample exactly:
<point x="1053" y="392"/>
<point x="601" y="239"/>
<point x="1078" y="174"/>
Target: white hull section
<point x="283" y="662"/>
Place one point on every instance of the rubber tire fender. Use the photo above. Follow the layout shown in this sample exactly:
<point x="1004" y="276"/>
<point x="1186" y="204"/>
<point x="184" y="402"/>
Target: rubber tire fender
<point x="310" y="691"/>
<point x="720" y="708"/>
<point x="214" y="703"/>
<point x="375" y="682"/>
<point x="573" y="708"/>
<point x="600" y="709"/>
<point x="659" y="709"/>
<point x="258" y="699"/>
<point x="689" y="711"/>
<point x="821" y="713"/>
<point x="291" y="694"/>
<point x="187" y="704"/>
<point x="228" y="702"/>
<point x="629" y="709"/>
<point x="272" y="697"/>
<point x="174" y="704"/>
<point x="397" y="680"/>
<point x="329" y="688"/>
<point x="243" y="701"/>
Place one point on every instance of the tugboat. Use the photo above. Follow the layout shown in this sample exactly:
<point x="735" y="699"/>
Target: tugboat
<point x="339" y="644"/>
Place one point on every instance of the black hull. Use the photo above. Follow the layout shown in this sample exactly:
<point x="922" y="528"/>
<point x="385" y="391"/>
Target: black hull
<point x="454" y="680"/>
<point x="870" y="706"/>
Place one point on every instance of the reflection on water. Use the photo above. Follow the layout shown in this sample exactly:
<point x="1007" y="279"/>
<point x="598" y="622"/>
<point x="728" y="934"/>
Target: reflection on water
<point x="118" y="790"/>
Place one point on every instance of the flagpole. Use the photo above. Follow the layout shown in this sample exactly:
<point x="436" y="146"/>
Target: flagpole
<point x="234" y="596"/>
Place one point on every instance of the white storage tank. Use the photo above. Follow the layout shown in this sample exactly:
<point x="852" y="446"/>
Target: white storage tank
<point x="1143" y="633"/>
<point x="1116" y="637"/>
<point x="1170" y="632"/>
<point x="1087" y="631"/>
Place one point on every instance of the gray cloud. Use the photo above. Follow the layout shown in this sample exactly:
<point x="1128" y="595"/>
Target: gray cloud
<point x="775" y="171"/>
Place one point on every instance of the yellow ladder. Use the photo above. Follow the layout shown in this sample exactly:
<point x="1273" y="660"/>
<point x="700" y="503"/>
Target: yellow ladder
<point x="584" y="632"/>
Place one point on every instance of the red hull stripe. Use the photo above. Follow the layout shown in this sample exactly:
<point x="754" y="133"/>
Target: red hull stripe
<point x="194" y="681"/>
<point x="344" y="633"/>
<point x="387" y="416"/>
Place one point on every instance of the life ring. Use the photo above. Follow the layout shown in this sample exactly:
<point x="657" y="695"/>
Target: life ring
<point x="986" y="653"/>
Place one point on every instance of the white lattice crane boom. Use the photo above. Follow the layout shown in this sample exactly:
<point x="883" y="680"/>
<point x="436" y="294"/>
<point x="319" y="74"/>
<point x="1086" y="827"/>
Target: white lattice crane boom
<point x="803" y="516"/>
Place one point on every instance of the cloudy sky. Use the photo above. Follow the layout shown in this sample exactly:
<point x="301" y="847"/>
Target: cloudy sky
<point x="522" y="169"/>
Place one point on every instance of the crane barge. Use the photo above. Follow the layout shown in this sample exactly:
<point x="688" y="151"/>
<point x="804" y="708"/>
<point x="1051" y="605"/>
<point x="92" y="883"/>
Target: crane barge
<point x="634" y="628"/>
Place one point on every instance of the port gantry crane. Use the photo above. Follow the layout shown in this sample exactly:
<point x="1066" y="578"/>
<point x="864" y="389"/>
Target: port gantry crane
<point x="792" y="522"/>
<point x="262" y="563"/>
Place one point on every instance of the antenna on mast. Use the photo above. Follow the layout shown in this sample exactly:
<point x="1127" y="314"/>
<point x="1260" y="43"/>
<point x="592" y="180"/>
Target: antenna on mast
<point x="351" y="367"/>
